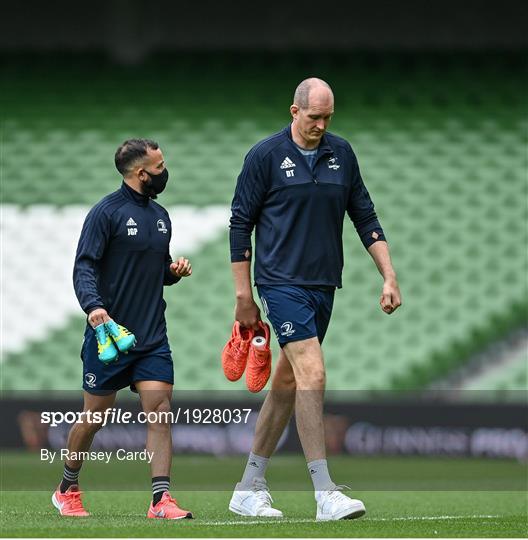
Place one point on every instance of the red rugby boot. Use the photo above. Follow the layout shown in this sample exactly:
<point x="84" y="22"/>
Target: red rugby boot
<point x="259" y="361"/>
<point x="235" y="353"/>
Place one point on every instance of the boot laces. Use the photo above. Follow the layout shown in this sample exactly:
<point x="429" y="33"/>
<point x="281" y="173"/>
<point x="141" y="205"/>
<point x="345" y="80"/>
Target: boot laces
<point x="261" y="356"/>
<point x="75" y="500"/>
<point x="335" y="494"/>
<point x="171" y="500"/>
<point x="240" y="349"/>
<point x="260" y="488"/>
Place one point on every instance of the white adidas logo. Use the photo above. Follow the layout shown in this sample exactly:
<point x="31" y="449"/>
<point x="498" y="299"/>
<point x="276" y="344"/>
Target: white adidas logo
<point x="287" y="163"/>
<point x="130" y="223"/>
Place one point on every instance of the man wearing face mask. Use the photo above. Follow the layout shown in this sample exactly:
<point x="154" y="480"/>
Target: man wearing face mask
<point x="121" y="266"/>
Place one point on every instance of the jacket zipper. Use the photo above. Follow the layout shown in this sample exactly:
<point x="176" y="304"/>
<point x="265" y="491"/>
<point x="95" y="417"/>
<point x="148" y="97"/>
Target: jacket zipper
<point x="315" y="165"/>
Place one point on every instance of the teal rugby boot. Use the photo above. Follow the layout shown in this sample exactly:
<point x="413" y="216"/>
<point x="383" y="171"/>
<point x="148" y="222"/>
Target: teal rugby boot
<point x="124" y="339"/>
<point x="106" y="350"/>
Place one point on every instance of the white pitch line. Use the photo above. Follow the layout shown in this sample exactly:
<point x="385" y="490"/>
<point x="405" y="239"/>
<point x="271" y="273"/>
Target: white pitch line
<point x="263" y="521"/>
<point x="277" y="521"/>
<point x="432" y="518"/>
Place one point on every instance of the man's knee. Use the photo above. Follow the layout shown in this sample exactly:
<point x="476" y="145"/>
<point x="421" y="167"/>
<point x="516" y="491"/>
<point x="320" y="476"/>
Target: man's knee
<point x="91" y="422"/>
<point x="95" y="408"/>
<point x="310" y="375"/>
<point x="283" y="380"/>
<point x="159" y="413"/>
<point x="307" y="361"/>
<point x="311" y="379"/>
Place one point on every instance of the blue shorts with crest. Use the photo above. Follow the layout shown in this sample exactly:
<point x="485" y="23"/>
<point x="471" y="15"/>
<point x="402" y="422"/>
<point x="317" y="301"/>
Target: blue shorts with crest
<point x="296" y="312"/>
<point x="102" y="379"/>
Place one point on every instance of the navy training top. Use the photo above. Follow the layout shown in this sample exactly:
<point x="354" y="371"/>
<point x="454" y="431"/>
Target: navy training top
<point x="298" y="211"/>
<point x="122" y="264"/>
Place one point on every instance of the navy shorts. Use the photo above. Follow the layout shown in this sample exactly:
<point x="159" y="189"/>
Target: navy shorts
<point x="296" y="312"/>
<point x="102" y="379"/>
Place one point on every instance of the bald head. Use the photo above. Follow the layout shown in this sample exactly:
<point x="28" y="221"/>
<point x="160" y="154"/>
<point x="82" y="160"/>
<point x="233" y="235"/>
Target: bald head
<point x="310" y="89"/>
<point x="312" y="110"/>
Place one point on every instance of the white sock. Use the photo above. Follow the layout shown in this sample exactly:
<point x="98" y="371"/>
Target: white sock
<point x="320" y="476"/>
<point x="255" y="468"/>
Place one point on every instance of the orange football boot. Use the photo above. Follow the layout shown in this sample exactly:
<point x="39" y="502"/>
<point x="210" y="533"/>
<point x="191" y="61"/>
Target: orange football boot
<point x="69" y="503"/>
<point x="168" y="508"/>
<point x="235" y="353"/>
<point x="259" y="361"/>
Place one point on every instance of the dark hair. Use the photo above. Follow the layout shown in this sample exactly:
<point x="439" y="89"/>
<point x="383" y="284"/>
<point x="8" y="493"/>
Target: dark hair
<point x="131" y="151"/>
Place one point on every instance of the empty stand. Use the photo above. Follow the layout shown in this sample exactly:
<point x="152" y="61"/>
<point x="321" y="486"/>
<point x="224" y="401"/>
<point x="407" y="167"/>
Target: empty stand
<point x="442" y="151"/>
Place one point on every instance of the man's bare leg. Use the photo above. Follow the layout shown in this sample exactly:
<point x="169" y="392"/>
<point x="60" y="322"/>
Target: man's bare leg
<point x="276" y="410"/>
<point x="273" y="417"/>
<point x="81" y="436"/>
<point x="306" y="358"/>
<point x="299" y="381"/>
<point x="67" y="498"/>
<point x="155" y="398"/>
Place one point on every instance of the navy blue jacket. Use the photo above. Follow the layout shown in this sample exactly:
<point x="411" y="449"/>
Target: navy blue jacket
<point x="299" y="211"/>
<point x="123" y="261"/>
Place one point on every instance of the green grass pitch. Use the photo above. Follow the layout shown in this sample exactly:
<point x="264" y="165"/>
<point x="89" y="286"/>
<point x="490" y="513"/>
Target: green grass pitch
<point x="408" y="497"/>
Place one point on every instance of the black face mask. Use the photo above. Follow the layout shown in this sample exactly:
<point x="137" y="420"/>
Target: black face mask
<point x="156" y="184"/>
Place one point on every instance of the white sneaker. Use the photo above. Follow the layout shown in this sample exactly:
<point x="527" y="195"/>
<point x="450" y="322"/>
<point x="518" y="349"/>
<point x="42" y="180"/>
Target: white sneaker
<point x="334" y="505"/>
<point x="254" y="502"/>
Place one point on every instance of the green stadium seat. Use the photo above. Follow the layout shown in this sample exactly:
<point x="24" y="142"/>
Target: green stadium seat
<point x="447" y="175"/>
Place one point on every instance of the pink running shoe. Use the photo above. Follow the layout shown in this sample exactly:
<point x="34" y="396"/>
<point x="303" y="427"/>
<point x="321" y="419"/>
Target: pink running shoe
<point x="168" y="508"/>
<point x="69" y="503"/>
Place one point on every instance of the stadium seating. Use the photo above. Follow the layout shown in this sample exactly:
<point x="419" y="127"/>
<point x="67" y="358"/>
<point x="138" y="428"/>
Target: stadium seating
<point x="442" y="150"/>
<point x="507" y="380"/>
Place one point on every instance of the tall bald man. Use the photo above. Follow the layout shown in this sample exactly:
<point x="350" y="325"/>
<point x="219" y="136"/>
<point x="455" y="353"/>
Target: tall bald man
<point x="295" y="188"/>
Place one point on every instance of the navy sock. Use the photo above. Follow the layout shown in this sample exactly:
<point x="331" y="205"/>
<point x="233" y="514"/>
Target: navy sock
<point x="70" y="477"/>
<point x="160" y="484"/>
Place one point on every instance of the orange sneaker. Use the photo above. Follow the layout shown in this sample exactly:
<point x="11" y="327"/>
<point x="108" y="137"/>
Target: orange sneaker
<point x="69" y="503"/>
<point x="235" y="353"/>
<point x="168" y="508"/>
<point x="259" y="361"/>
